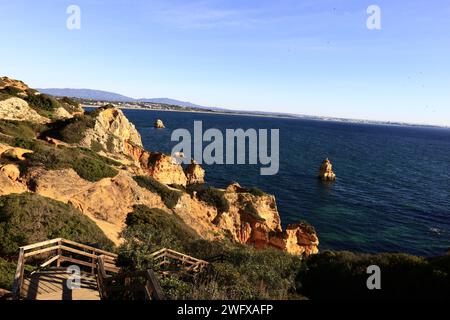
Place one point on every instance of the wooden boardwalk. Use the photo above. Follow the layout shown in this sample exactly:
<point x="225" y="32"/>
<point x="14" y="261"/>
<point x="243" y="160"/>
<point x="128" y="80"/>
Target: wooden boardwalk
<point x="100" y="278"/>
<point x="51" y="284"/>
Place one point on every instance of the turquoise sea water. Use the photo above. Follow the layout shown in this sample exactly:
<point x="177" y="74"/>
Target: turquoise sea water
<point x="393" y="188"/>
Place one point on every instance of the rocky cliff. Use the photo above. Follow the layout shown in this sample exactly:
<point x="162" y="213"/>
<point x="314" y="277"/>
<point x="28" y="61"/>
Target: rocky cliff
<point x="106" y="190"/>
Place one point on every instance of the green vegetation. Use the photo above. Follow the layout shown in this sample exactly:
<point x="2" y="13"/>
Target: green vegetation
<point x="28" y="218"/>
<point x="343" y="275"/>
<point x="7" y="271"/>
<point x="250" y="209"/>
<point x="215" y="198"/>
<point x="307" y="227"/>
<point x="71" y="130"/>
<point x="42" y="101"/>
<point x="245" y="273"/>
<point x="168" y="196"/>
<point x="88" y="165"/>
<point x="21" y="129"/>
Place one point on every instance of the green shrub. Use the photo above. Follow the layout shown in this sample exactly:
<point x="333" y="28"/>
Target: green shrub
<point x="148" y="230"/>
<point x="169" y="197"/>
<point x="7" y="271"/>
<point x="71" y="130"/>
<point x="244" y="273"/>
<point x="10" y="91"/>
<point x="343" y="275"/>
<point x="42" y="102"/>
<point x="215" y="198"/>
<point x="88" y="165"/>
<point x="256" y="192"/>
<point x="21" y="129"/>
<point x="28" y="218"/>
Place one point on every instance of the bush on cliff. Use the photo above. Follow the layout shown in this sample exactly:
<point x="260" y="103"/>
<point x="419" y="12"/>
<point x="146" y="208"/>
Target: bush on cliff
<point x="7" y="271"/>
<point x="148" y="230"/>
<point x="71" y="130"/>
<point x="28" y="218"/>
<point x="169" y="196"/>
<point x="42" y="103"/>
<point x="214" y="197"/>
<point x="343" y="275"/>
<point x="88" y="165"/>
<point x="243" y="273"/>
<point x="20" y="129"/>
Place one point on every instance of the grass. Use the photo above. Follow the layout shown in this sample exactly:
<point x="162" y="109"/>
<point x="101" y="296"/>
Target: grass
<point x="7" y="271"/>
<point x="28" y="218"/>
<point x="214" y="197"/>
<point x="21" y="129"/>
<point x="245" y="273"/>
<point x="71" y="130"/>
<point x="168" y="196"/>
<point x="343" y="275"/>
<point x="88" y="165"/>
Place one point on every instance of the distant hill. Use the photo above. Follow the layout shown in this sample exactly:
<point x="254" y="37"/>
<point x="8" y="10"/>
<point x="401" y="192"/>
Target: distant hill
<point x="87" y="94"/>
<point x="112" y="96"/>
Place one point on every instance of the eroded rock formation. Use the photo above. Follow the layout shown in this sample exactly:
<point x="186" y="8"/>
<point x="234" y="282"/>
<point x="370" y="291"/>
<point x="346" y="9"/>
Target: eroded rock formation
<point x="160" y="166"/>
<point x="18" y="109"/>
<point x="326" y="171"/>
<point x="112" y="131"/>
<point x="251" y="217"/>
<point x="159" y="124"/>
<point x="195" y="174"/>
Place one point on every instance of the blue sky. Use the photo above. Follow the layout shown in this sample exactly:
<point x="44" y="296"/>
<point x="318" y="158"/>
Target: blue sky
<point x="300" y="56"/>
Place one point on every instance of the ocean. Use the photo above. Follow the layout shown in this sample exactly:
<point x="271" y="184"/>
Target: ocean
<point x="392" y="192"/>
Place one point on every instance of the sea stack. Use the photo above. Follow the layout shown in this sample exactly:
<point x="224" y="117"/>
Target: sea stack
<point x="159" y="124"/>
<point x="195" y="173"/>
<point x="326" y="171"/>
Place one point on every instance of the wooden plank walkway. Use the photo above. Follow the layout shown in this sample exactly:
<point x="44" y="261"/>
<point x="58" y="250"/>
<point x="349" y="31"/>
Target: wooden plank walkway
<point x="51" y="284"/>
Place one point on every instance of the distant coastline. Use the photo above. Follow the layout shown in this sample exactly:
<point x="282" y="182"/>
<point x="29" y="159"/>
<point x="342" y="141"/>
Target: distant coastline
<point x="277" y="116"/>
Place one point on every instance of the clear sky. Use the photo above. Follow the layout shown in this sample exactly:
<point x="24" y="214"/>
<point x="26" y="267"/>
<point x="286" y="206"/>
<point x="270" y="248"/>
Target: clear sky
<point x="299" y="56"/>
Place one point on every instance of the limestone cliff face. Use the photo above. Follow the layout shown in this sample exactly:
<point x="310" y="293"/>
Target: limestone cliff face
<point x="255" y="220"/>
<point x="112" y="131"/>
<point x="160" y="166"/>
<point x="107" y="201"/>
<point x="18" y="109"/>
<point x="8" y="82"/>
<point x="252" y="218"/>
<point x="195" y="174"/>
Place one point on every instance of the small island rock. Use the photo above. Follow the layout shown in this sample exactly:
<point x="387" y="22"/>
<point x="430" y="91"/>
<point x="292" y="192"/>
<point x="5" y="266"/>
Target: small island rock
<point x="326" y="171"/>
<point x="159" y="124"/>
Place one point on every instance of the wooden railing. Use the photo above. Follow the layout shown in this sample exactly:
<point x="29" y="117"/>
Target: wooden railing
<point x="127" y="282"/>
<point x="61" y="250"/>
<point x="166" y="257"/>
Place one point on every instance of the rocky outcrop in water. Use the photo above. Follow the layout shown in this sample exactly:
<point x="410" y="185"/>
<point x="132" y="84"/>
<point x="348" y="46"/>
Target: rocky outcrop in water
<point x="326" y="171"/>
<point x="159" y="124"/>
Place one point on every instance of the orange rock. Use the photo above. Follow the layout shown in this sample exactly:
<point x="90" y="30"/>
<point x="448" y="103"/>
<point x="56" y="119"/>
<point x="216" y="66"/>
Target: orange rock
<point x="195" y="173"/>
<point x="326" y="171"/>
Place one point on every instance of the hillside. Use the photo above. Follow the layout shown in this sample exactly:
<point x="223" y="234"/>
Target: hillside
<point x="100" y="95"/>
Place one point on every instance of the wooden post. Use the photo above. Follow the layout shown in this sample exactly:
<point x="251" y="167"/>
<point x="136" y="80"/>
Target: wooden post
<point x="153" y="287"/>
<point x="18" y="278"/>
<point x="93" y="260"/>
<point x="58" y="262"/>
